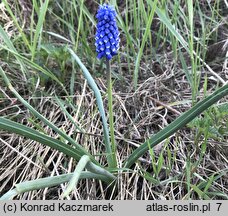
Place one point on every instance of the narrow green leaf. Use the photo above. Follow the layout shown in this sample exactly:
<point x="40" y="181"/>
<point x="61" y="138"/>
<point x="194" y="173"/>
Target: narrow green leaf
<point x="14" y="18"/>
<point x="145" y="36"/>
<point x="200" y="192"/>
<point x="86" y="163"/>
<point x="13" y="127"/>
<point x="179" y="123"/>
<point x="97" y="93"/>
<point x="31" y="64"/>
<point x="10" y="46"/>
<point x="38" y="31"/>
<point x="208" y="185"/>
<point x="76" y="175"/>
<point x="61" y="104"/>
<point x="160" y="162"/>
<point x="42" y="118"/>
<point x="47" y="182"/>
<point x="167" y="22"/>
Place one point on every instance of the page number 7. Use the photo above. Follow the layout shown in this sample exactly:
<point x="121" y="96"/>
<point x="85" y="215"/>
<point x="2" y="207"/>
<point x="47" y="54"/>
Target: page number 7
<point x="219" y="205"/>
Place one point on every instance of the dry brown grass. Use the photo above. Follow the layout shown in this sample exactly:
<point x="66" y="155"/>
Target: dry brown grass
<point x="138" y="114"/>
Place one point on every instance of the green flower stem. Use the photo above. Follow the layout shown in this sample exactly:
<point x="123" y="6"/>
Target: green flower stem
<point x="49" y="182"/>
<point x="179" y="123"/>
<point x="110" y="110"/>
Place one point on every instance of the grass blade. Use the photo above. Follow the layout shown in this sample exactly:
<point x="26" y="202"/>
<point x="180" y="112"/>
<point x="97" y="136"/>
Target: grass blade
<point x="166" y="21"/>
<point x="60" y="102"/>
<point x="145" y="36"/>
<point x="33" y="65"/>
<point x="10" y="45"/>
<point x="42" y="13"/>
<point x="14" y="18"/>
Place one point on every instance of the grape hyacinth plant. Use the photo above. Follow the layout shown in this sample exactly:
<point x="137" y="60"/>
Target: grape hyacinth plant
<point x="88" y="167"/>
<point x="107" y="45"/>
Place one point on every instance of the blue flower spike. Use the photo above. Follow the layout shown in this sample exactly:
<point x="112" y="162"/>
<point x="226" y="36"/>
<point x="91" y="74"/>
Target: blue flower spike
<point x="107" y="35"/>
